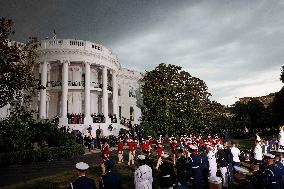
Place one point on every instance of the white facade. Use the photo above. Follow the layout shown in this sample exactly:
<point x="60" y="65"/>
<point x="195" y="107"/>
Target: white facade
<point x="83" y="77"/>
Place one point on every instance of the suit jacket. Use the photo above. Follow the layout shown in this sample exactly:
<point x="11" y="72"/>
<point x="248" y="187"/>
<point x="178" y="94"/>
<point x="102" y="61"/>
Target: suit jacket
<point x="110" y="180"/>
<point x="83" y="182"/>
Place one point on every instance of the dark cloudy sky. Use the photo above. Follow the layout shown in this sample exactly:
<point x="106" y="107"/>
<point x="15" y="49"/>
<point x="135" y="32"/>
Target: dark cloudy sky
<point x="235" y="46"/>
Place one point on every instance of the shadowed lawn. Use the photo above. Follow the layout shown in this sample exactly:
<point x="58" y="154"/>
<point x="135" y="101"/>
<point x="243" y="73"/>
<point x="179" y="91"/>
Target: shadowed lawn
<point x="63" y="179"/>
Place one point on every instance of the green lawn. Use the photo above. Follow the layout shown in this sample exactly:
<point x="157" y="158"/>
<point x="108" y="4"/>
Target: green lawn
<point x="245" y="143"/>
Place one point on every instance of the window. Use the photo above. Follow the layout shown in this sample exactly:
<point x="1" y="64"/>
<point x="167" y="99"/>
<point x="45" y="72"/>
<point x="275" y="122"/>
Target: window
<point x="93" y="46"/>
<point x="119" y="111"/>
<point x="131" y="113"/>
<point x="119" y="92"/>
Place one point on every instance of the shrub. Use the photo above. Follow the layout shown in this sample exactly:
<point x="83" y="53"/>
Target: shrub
<point x="26" y="156"/>
<point x="18" y="133"/>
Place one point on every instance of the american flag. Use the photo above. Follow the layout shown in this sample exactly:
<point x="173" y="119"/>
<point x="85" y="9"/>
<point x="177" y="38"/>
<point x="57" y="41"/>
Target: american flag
<point x="54" y="34"/>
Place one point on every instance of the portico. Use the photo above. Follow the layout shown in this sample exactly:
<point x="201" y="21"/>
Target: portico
<point x="81" y="81"/>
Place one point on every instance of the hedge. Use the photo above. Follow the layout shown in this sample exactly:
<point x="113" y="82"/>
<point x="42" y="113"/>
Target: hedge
<point x="43" y="154"/>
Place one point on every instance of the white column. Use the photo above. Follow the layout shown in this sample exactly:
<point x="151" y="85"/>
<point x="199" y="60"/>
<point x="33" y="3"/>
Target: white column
<point x="64" y="96"/>
<point x="87" y="119"/>
<point x="114" y="93"/>
<point x="42" y="106"/>
<point x="105" y="94"/>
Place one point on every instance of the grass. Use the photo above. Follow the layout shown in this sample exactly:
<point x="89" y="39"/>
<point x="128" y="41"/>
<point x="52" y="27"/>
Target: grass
<point x="63" y="179"/>
<point x="245" y="143"/>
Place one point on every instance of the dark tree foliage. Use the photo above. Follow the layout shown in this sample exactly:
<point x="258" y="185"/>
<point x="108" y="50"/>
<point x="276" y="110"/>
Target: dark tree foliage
<point x="174" y="102"/>
<point x="17" y="81"/>
<point x="18" y="84"/>
<point x="250" y="115"/>
<point x="278" y="108"/>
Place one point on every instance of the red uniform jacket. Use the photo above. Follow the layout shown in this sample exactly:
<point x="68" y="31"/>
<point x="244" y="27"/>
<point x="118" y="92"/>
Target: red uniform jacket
<point x="106" y="152"/>
<point x="120" y="146"/>
<point x="145" y="146"/>
<point x="131" y="146"/>
<point x="160" y="151"/>
<point x="173" y="145"/>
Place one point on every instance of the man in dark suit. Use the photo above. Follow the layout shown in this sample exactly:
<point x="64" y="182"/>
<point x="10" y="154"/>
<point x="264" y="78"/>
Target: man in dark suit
<point x="167" y="173"/>
<point x="82" y="182"/>
<point x="109" y="179"/>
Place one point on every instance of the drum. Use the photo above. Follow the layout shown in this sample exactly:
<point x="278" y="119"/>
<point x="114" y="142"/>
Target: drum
<point x="215" y="183"/>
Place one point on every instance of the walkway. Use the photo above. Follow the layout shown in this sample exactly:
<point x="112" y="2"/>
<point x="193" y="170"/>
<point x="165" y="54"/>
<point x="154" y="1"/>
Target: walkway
<point x="18" y="173"/>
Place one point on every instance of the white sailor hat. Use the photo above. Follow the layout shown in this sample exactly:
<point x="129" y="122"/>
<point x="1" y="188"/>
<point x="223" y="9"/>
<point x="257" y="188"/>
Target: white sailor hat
<point x="82" y="166"/>
<point x="165" y="155"/>
<point x="241" y="170"/>
<point x="269" y="156"/>
<point x="141" y="157"/>
<point x="193" y="147"/>
<point x="220" y="146"/>
<point x="258" y="139"/>
<point x="214" y="179"/>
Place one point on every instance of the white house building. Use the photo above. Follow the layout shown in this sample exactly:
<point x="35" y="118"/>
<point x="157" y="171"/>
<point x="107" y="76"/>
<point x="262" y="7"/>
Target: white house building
<point x="85" y="84"/>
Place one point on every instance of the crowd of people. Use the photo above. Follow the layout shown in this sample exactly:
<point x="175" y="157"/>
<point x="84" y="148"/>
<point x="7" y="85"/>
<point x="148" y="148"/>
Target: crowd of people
<point x="197" y="162"/>
<point x="74" y="118"/>
<point x="77" y="83"/>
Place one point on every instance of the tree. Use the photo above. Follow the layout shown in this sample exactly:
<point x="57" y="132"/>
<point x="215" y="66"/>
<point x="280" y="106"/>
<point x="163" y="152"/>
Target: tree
<point x="256" y="110"/>
<point x="250" y="115"/>
<point x="278" y="107"/>
<point x="16" y="67"/>
<point x="174" y="102"/>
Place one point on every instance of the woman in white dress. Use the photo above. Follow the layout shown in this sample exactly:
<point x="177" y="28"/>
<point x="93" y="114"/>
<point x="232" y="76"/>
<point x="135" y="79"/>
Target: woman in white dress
<point x="143" y="177"/>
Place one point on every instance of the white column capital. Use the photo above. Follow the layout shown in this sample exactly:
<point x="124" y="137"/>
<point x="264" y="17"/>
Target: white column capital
<point x="114" y="72"/>
<point x="86" y="62"/>
<point x="64" y="61"/>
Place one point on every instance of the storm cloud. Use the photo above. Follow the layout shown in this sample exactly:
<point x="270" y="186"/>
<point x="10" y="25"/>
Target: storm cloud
<point x="236" y="47"/>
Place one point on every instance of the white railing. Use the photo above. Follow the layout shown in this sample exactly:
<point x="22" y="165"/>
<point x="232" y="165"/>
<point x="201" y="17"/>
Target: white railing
<point x="105" y="53"/>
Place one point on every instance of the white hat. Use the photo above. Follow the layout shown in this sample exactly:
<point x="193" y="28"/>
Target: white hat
<point x="214" y="179"/>
<point x="193" y="147"/>
<point x="258" y="138"/>
<point x="165" y="155"/>
<point x="269" y="155"/>
<point x="241" y="170"/>
<point x="220" y="146"/>
<point x="141" y="157"/>
<point x="82" y="166"/>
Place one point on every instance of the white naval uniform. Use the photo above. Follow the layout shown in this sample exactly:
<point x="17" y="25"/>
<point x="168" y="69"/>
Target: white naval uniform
<point x="143" y="177"/>
<point x="212" y="163"/>
<point x="257" y="152"/>
<point x="281" y="141"/>
<point x="236" y="153"/>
